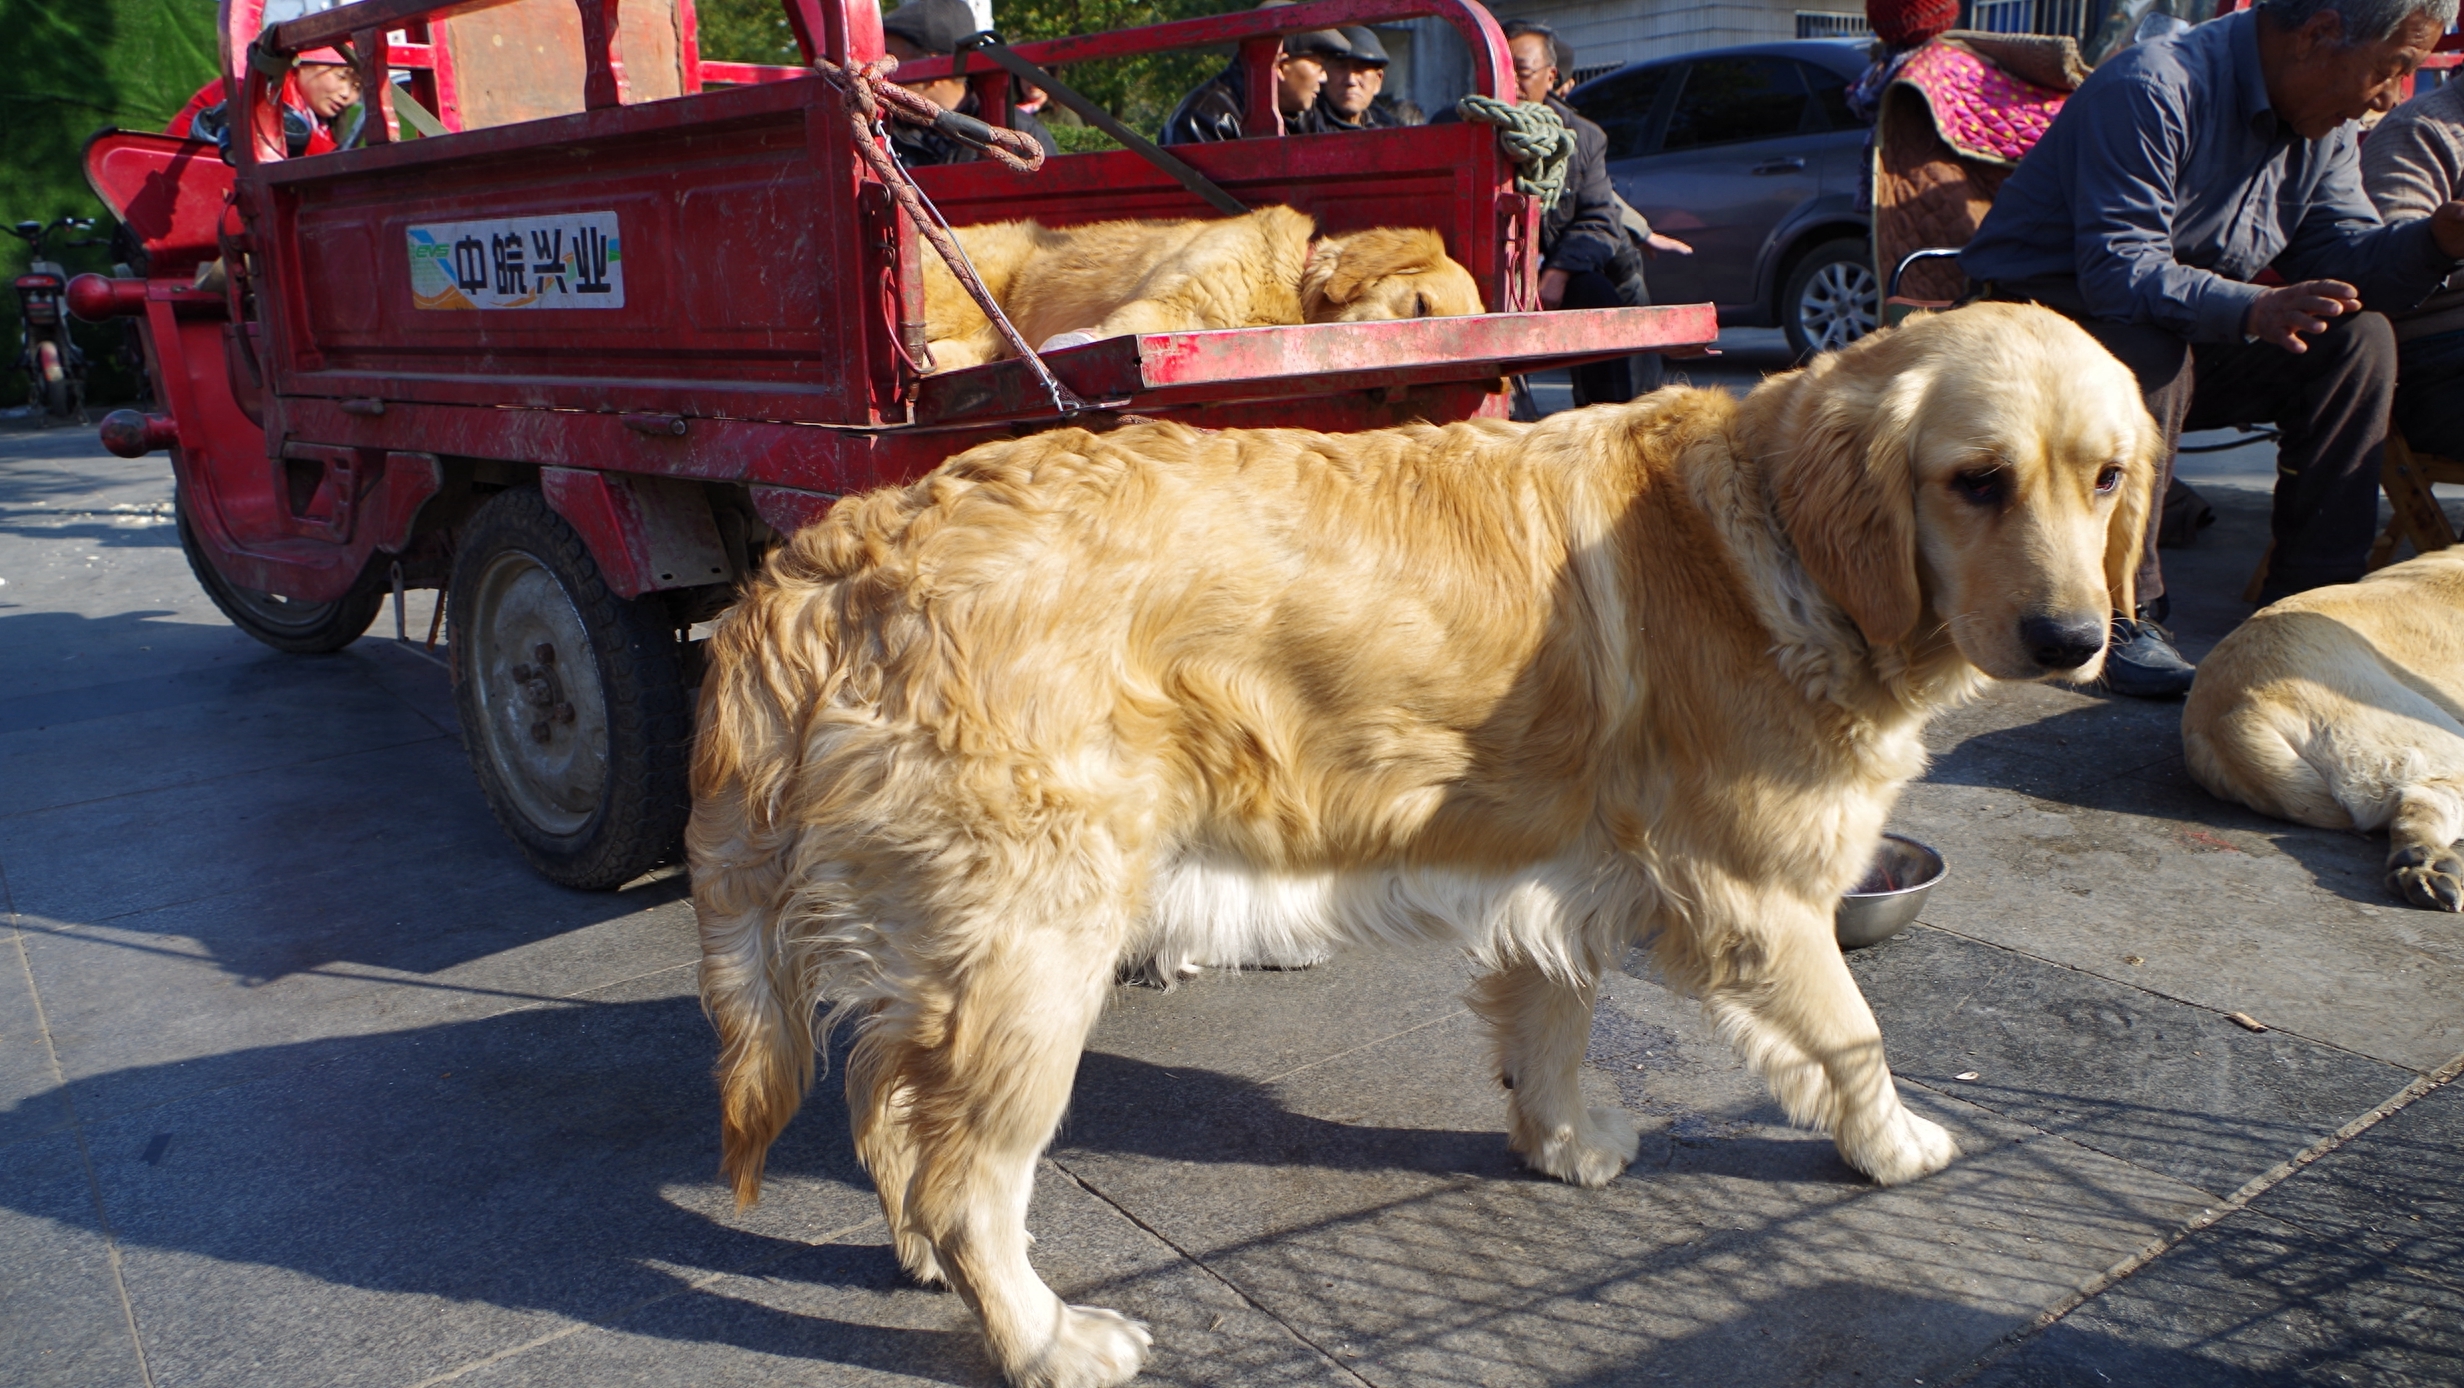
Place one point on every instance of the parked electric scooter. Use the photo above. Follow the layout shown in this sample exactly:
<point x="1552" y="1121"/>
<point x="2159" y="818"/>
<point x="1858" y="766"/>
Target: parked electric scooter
<point x="55" y="368"/>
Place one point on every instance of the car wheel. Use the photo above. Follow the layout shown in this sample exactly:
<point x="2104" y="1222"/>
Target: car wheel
<point x="572" y="699"/>
<point x="1832" y="299"/>
<point x="286" y="624"/>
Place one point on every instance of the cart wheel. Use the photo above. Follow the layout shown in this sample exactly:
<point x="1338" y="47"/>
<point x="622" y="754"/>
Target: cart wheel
<point x="572" y="699"/>
<point x="1832" y="298"/>
<point x="301" y="628"/>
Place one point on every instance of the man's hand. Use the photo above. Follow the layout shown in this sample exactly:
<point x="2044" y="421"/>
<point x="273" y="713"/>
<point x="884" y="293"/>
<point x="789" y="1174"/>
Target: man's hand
<point x="1655" y="243"/>
<point x="1553" y="287"/>
<point x="2447" y="226"/>
<point x="2283" y="314"/>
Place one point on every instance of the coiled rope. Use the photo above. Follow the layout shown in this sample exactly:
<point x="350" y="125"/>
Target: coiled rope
<point x="869" y="98"/>
<point x="1533" y="137"/>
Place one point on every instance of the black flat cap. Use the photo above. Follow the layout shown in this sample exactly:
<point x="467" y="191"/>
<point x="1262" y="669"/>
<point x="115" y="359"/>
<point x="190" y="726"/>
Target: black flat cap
<point x="1317" y="43"/>
<point x="1365" y="47"/>
<point x="934" y="26"/>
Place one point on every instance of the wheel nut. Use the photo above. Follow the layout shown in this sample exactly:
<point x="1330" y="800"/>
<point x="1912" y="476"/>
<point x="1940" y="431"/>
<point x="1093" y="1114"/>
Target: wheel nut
<point x="564" y="713"/>
<point x="544" y="653"/>
<point x="539" y="731"/>
<point x="522" y="674"/>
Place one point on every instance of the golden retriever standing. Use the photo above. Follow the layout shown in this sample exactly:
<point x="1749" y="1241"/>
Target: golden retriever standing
<point x="2343" y="708"/>
<point x="1111" y="278"/>
<point x="1538" y="692"/>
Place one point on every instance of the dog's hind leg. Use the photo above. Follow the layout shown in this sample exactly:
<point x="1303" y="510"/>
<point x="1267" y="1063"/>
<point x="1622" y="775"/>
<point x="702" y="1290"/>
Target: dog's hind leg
<point x="879" y="1103"/>
<point x="985" y="1076"/>
<point x="1797" y="1017"/>
<point x="1542" y="1026"/>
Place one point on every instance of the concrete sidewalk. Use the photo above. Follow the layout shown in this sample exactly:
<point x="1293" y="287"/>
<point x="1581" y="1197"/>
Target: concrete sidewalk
<point x="306" y="1079"/>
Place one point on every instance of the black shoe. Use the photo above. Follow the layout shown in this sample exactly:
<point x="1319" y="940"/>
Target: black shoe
<point x="2140" y="661"/>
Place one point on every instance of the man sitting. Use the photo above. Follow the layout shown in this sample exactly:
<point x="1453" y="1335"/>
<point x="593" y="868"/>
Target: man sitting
<point x="2181" y="169"/>
<point x="932" y="29"/>
<point x="1217" y="108"/>
<point x="2413" y="164"/>
<point x="1354" y="95"/>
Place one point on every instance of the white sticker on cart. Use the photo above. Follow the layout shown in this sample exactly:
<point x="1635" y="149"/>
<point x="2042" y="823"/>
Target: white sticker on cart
<point x="572" y="260"/>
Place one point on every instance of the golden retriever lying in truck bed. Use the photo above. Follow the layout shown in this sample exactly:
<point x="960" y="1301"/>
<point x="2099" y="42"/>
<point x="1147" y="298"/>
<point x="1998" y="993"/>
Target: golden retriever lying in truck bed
<point x="1110" y="278"/>
<point x="1649" y="673"/>
<point x="2343" y="708"/>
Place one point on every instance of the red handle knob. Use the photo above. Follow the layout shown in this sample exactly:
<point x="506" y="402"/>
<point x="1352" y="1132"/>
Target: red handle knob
<point x="133" y="435"/>
<point x="97" y="297"/>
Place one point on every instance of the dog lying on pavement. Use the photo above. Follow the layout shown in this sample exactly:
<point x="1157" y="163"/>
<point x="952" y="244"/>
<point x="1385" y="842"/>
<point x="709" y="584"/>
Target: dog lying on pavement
<point x="1084" y="283"/>
<point x="1652" y="673"/>
<point x="2343" y="708"/>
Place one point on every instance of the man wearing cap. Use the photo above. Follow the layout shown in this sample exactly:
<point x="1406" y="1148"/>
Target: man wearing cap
<point x="1354" y="95"/>
<point x="320" y="87"/>
<point x="933" y="29"/>
<point x="1216" y="109"/>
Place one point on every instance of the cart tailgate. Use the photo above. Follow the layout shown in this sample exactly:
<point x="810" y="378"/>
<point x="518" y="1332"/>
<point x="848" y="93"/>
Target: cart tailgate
<point x="1158" y="370"/>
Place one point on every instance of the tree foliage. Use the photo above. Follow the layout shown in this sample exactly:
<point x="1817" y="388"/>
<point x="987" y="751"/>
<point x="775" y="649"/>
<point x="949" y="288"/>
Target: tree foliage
<point x="1141" y="91"/>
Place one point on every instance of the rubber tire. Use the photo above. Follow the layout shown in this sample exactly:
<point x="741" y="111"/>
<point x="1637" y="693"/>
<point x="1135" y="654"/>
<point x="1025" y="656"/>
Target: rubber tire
<point x="640" y="819"/>
<point x="55" y="398"/>
<point x="1827" y="254"/>
<point x="321" y="629"/>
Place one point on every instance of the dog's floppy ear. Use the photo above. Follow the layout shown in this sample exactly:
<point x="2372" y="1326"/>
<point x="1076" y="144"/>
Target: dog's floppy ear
<point x="1341" y="266"/>
<point x="2126" y="532"/>
<point x="1846" y="493"/>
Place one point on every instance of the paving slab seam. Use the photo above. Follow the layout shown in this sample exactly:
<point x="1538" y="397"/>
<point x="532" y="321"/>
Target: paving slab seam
<point x="575" y="999"/>
<point x="1201" y="1265"/>
<point x="1366" y="1045"/>
<point x="611" y="1322"/>
<point x="2209" y="1008"/>
<point x="2251" y="1190"/>
<point x="74" y="932"/>
<point x="438" y="736"/>
<point x="77" y="1130"/>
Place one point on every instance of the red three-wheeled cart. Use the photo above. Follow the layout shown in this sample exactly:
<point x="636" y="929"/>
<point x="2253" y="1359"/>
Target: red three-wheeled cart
<point x="580" y="324"/>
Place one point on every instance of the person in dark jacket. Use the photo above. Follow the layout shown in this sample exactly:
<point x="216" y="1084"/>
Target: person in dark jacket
<point x="932" y="29"/>
<point x="1585" y="259"/>
<point x="1216" y="109"/>
<point x="1354" y="96"/>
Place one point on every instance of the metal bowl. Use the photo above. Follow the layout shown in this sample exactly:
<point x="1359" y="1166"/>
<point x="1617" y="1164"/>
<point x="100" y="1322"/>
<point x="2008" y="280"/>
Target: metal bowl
<point x="1894" y="890"/>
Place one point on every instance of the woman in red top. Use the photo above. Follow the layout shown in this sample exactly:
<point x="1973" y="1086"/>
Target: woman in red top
<point x="321" y="86"/>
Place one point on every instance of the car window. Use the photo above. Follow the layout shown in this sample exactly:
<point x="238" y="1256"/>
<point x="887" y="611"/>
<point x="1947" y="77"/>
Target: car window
<point x="1726" y="100"/>
<point x="1622" y="103"/>
<point x="1830" y="94"/>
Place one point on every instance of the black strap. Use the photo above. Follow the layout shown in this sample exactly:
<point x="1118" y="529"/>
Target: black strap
<point x="990" y="45"/>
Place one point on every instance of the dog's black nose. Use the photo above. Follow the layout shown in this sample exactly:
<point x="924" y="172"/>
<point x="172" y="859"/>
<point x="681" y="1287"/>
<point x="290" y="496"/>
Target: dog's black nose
<point x="2062" y="643"/>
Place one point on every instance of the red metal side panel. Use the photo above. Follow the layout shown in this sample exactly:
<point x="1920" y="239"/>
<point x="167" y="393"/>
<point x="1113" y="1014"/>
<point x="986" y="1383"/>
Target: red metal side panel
<point x="647" y="533"/>
<point x="736" y="238"/>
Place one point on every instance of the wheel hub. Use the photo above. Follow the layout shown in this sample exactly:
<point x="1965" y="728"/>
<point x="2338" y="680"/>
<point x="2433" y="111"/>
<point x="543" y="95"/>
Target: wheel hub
<point x="544" y="713"/>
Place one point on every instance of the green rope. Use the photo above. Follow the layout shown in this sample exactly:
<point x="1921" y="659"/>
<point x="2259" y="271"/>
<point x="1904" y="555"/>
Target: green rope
<point x="1533" y="137"/>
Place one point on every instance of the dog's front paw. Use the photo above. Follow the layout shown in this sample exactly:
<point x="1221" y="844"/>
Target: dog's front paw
<point x="1900" y="1148"/>
<point x="2431" y="881"/>
<point x="1091" y="1348"/>
<point x="1590" y="1153"/>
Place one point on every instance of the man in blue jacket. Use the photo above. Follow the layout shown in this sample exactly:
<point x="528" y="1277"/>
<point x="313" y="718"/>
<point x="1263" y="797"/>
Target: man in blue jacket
<point x="2176" y="174"/>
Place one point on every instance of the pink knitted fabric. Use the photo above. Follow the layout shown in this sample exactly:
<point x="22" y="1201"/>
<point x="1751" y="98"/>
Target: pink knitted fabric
<point x="1982" y="111"/>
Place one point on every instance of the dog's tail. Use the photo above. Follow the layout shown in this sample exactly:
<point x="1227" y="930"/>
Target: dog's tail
<point x="775" y="676"/>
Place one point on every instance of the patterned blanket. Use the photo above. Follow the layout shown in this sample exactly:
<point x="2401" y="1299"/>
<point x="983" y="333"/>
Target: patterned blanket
<point x="1981" y="110"/>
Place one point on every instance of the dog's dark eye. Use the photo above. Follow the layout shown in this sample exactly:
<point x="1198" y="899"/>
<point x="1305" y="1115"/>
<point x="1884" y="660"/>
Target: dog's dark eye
<point x="2108" y="479"/>
<point x="1420" y="305"/>
<point x="1981" y="486"/>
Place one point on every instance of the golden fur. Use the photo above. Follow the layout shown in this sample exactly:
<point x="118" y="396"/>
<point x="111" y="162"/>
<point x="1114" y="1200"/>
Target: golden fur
<point x="1650" y="673"/>
<point x="2343" y="707"/>
<point x="1110" y="278"/>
